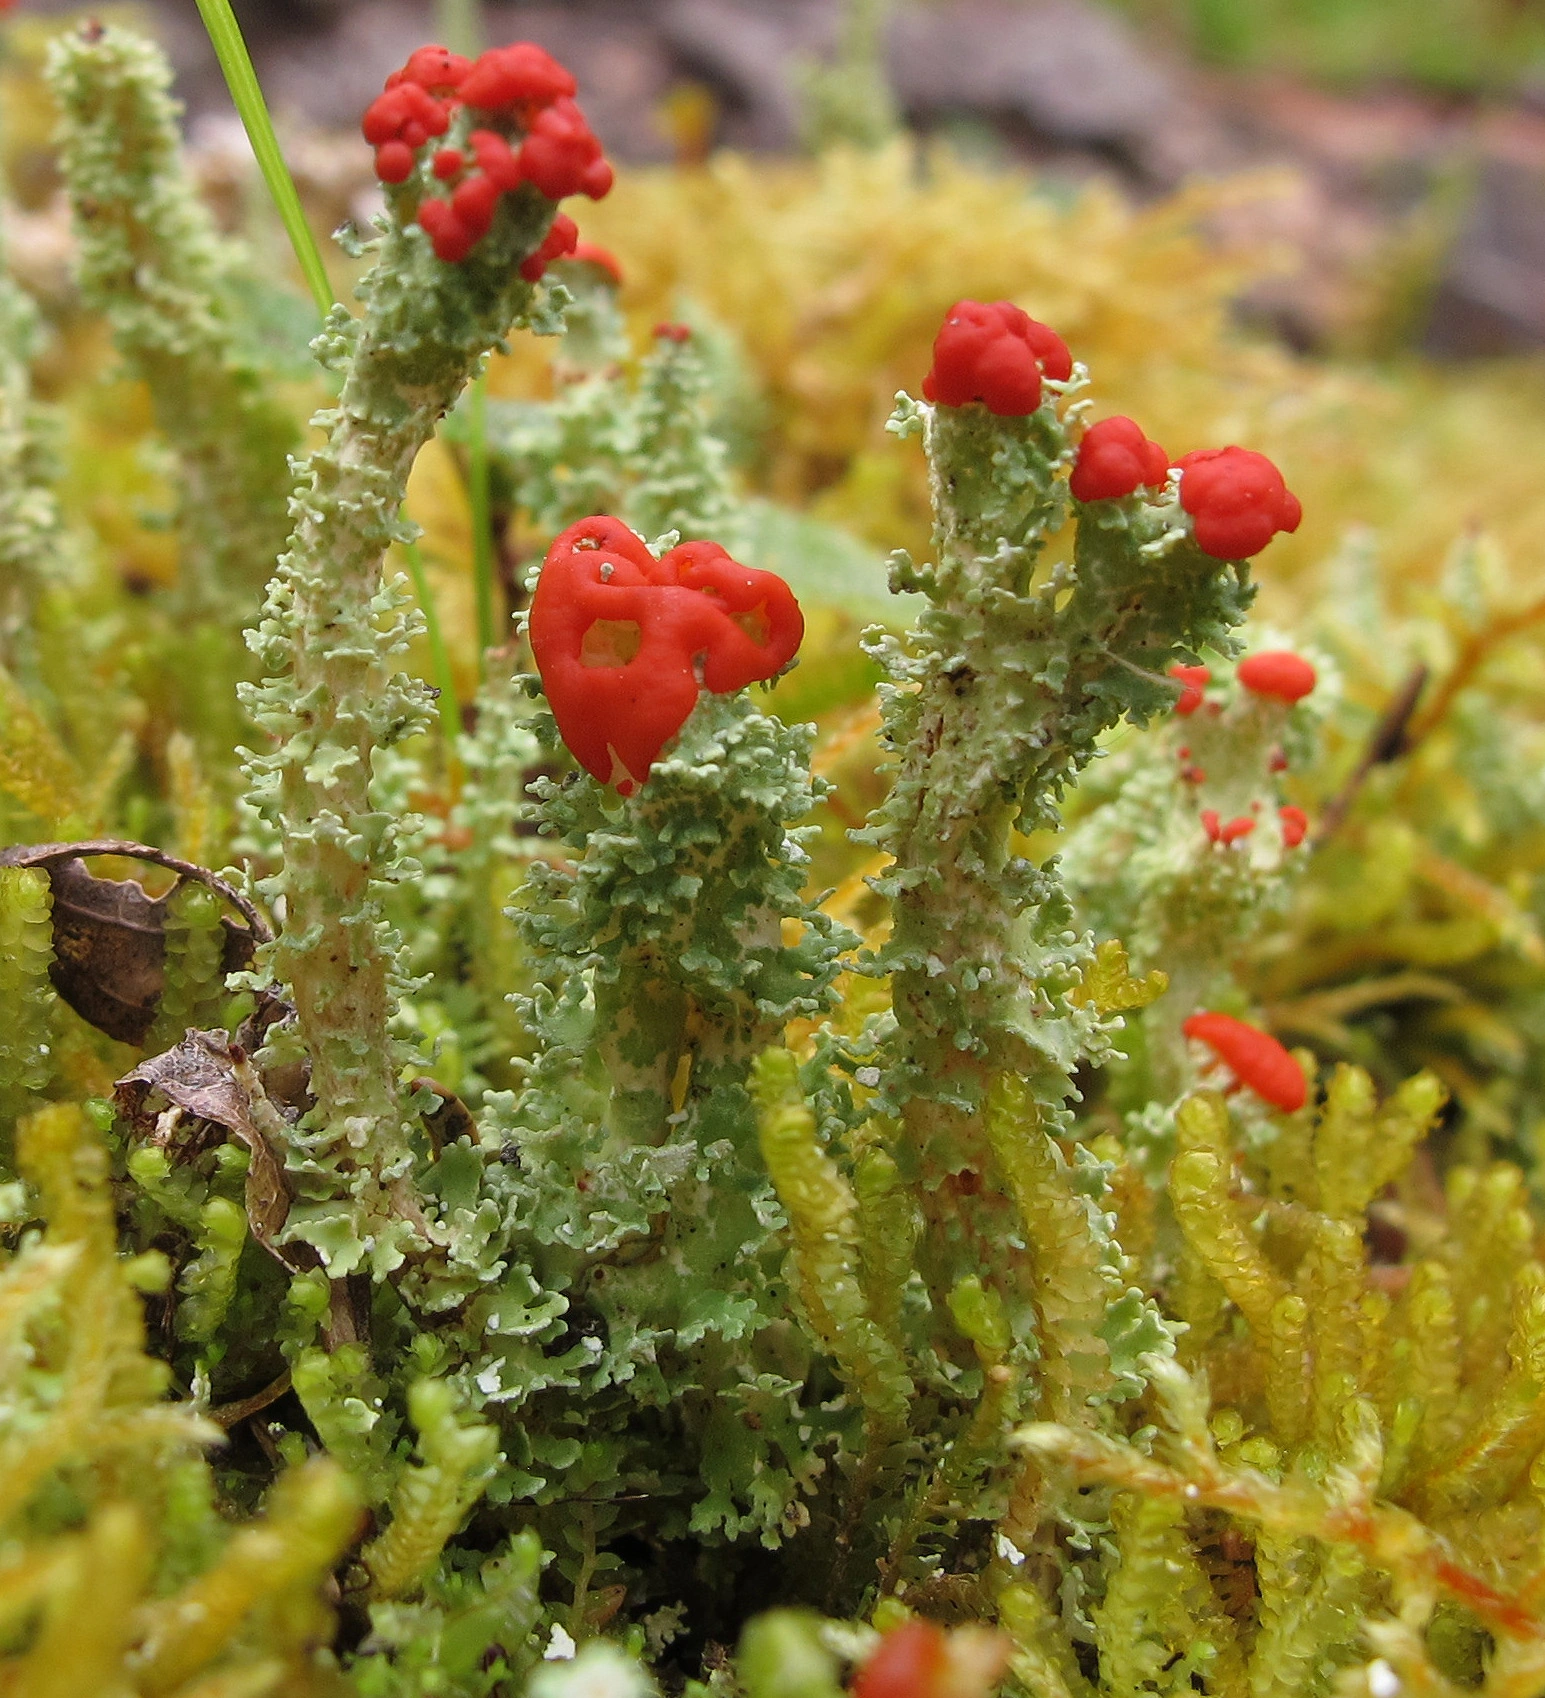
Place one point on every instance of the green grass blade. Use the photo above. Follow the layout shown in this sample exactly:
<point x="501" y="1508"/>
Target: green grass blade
<point x="241" y="80"/>
<point x="445" y="679"/>
<point x="460" y="26"/>
<point x="482" y="515"/>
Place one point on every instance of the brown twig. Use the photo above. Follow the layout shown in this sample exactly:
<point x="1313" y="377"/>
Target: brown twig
<point x="1390" y="740"/>
<point x="230" y="1415"/>
<point x="45" y="854"/>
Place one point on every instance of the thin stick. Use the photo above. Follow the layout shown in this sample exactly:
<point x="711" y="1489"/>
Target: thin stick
<point x="1388" y="742"/>
<point x="241" y="80"/>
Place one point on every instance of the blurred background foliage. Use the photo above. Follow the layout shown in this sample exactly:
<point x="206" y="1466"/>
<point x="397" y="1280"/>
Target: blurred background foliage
<point x="1452" y="44"/>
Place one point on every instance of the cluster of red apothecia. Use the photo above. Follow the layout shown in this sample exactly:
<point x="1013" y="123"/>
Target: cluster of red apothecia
<point x="1274" y="675"/>
<point x="626" y="643"/>
<point x="994" y="353"/>
<point x="524" y="95"/>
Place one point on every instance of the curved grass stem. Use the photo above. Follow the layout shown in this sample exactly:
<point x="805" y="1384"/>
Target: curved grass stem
<point x="246" y="93"/>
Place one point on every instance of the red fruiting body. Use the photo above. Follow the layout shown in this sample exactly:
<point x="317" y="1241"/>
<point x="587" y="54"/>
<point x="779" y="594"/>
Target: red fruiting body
<point x="1211" y="824"/>
<point x="1277" y="672"/>
<point x="521" y="86"/>
<point x="993" y="353"/>
<point x="909" y="1662"/>
<point x="394" y="162"/>
<point x="561" y="239"/>
<point x="450" y="238"/>
<point x="621" y="640"/>
<point x="495" y="158"/>
<point x="673" y="333"/>
<point x="1192" y="680"/>
<point x="587" y="253"/>
<point x="1116" y="459"/>
<point x="562" y="156"/>
<point x="1237" y="501"/>
<point x="1256" y="1059"/>
<point x="1234" y="829"/>
<point x="1295" y="825"/>
<point x="474" y="201"/>
<point x="402" y="109"/>
<point x="519" y="75"/>
<point x="435" y="69"/>
<point x="398" y="123"/>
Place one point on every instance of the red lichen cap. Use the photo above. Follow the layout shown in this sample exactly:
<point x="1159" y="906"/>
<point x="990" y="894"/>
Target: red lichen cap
<point x="561" y="239"/>
<point x="1256" y="1059"/>
<point x="1279" y="673"/>
<point x="434" y="69"/>
<point x="1116" y="459"/>
<point x="521" y="74"/>
<point x="624" y="642"/>
<point x="1295" y="825"/>
<point x="398" y="122"/>
<point x="1192" y="680"/>
<point x="994" y="353"/>
<point x="909" y="1662"/>
<point x="562" y="156"/>
<point x="1237" y="501"/>
<point x="603" y="259"/>
<point x="521" y="88"/>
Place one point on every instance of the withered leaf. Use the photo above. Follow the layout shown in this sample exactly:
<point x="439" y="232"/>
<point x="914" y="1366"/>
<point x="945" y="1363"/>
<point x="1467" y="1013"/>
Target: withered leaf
<point x="211" y="1079"/>
<point x="110" y="937"/>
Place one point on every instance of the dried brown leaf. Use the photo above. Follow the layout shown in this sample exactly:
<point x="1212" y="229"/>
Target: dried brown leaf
<point x="110" y="936"/>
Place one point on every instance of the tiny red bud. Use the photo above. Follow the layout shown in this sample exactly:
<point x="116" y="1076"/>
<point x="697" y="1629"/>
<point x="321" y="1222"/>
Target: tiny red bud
<point x="1256" y="1059"/>
<point x="394" y="162"/>
<point x="1237" y="501"/>
<point x="1116" y="459"/>
<point x="587" y="253"/>
<point x="909" y="1662"/>
<point x="1279" y="673"/>
<point x="1295" y="825"/>
<point x="1192" y="680"/>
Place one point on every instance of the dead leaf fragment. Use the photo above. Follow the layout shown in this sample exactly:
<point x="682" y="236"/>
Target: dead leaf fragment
<point x="211" y="1079"/>
<point x="110" y="936"/>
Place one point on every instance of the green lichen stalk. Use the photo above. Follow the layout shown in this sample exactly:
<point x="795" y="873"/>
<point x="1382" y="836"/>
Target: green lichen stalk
<point x="26" y="949"/>
<point x="681" y="466"/>
<point x="674" y="953"/>
<point x="152" y="263"/>
<point x="330" y="700"/>
<point x="998" y="700"/>
<point x="30" y="553"/>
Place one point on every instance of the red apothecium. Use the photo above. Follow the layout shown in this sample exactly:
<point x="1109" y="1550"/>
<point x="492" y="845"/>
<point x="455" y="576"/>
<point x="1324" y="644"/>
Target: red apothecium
<point x="624" y="642"/>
